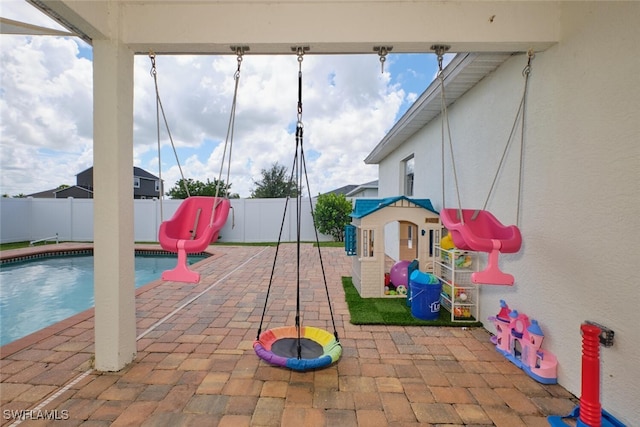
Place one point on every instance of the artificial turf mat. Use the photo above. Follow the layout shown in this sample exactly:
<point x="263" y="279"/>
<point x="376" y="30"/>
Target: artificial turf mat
<point x="390" y="311"/>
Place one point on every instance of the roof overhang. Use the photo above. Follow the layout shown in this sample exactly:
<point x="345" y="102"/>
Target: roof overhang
<point x="9" y="26"/>
<point x="460" y="75"/>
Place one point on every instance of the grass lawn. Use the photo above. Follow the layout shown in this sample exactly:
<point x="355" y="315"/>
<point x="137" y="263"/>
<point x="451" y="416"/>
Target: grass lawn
<point x="390" y="311"/>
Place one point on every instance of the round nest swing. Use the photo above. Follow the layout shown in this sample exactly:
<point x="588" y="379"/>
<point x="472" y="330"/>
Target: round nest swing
<point x="300" y="348"/>
<point x="279" y="346"/>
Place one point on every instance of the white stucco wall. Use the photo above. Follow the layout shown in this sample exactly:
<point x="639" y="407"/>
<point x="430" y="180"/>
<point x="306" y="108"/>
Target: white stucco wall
<point x="580" y="211"/>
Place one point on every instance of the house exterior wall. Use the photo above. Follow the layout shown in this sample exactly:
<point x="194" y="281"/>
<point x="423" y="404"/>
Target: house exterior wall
<point x="85" y="178"/>
<point x="580" y="188"/>
<point x="147" y="189"/>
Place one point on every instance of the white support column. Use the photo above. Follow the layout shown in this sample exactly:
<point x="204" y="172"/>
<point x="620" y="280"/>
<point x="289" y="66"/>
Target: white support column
<point x="115" y="317"/>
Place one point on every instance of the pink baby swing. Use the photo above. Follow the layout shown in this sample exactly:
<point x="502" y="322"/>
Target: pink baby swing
<point x="198" y="220"/>
<point x="479" y="229"/>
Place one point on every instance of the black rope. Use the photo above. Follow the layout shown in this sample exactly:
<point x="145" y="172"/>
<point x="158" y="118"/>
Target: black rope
<point x="298" y="170"/>
<point x="275" y="258"/>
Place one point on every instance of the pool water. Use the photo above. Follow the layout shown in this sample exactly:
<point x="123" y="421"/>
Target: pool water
<point x="38" y="293"/>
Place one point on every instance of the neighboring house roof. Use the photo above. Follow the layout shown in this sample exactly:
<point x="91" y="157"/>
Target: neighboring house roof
<point x="143" y="173"/>
<point x="463" y="72"/>
<point x="77" y="191"/>
<point x="364" y="207"/>
<point x="47" y="194"/>
<point x="139" y="172"/>
<point x="74" y="191"/>
<point x="362" y="187"/>
<point x="343" y="190"/>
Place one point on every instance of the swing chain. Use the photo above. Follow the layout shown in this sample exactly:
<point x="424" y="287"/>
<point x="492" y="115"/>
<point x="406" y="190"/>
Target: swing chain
<point x="300" y="52"/>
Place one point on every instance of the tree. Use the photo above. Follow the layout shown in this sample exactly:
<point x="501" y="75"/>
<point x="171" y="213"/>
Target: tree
<point x="199" y="188"/>
<point x="275" y="183"/>
<point x="331" y="214"/>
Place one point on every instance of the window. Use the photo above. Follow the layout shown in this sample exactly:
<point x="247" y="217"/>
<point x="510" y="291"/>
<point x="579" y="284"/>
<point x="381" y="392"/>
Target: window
<point x="367" y="244"/>
<point x="136" y="182"/>
<point x="408" y="169"/>
<point x="157" y="186"/>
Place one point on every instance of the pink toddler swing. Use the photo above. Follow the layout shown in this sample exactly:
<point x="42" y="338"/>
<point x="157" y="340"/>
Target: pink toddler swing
<point x="198" y="220"/>
<point x="479" y="229"/>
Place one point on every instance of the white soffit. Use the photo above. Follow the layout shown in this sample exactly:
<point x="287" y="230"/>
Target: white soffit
<point x="460" y="75"/>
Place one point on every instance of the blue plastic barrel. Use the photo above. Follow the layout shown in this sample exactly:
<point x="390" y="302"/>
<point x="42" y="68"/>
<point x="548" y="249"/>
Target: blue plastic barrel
<point x="425" y="295"/>
<point x="412" y="267"/>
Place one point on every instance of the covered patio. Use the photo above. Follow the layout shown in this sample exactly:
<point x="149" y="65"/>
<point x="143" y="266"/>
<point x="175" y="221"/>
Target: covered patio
<point x="195" y="364"/>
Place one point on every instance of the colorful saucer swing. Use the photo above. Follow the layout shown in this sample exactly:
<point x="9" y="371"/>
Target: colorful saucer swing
<point x="297" y="347"/>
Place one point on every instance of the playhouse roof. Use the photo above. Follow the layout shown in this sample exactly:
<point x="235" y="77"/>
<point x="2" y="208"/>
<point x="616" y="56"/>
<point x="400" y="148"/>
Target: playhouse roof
<point x="364" y="207"/>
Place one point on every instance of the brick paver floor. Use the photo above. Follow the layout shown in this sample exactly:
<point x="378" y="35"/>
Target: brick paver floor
<point x="195" y="363"/>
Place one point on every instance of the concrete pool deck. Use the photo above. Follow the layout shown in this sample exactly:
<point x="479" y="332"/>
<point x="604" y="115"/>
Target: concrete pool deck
<point x="195" y="363"/>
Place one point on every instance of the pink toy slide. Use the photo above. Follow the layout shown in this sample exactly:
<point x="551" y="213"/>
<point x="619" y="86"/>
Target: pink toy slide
<point x="479" y="230"/>
<point x="192" y="228"/>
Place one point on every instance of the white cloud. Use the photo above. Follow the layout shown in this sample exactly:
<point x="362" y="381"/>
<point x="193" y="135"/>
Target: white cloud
<point x="46" y="111"/>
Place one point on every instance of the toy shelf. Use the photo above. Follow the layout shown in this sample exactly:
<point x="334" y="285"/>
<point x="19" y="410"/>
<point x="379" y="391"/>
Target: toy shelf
<point x="459" y="295"/>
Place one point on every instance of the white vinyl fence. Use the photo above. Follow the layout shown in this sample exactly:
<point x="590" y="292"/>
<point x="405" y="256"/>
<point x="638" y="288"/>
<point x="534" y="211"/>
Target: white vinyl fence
<point x="250" y="220"/>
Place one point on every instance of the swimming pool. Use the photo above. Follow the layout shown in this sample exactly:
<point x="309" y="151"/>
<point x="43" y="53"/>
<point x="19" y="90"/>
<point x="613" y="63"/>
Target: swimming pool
<point x="37" y="293"/>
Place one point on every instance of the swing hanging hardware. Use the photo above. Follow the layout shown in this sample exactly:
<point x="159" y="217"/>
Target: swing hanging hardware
<point x="440" y="50"/>
<point x="382" y="53"/>
<point x="300" y="51"/>
<point x="240" y="51"/>
<point x="152" y="58"/>
<point x="527" y="68"/>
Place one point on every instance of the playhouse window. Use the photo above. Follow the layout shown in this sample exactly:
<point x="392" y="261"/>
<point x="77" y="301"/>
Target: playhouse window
<point x="408" y="166"/>
<point x="367" y="243"/>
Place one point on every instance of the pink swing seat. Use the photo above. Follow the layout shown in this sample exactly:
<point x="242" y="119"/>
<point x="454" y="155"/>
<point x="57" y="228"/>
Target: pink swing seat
<point x="481" y="231"/>
<point x="191" y="230"/>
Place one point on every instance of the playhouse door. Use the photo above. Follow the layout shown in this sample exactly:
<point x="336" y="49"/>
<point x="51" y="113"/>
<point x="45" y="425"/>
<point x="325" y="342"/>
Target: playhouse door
<point x="408" y="241"/>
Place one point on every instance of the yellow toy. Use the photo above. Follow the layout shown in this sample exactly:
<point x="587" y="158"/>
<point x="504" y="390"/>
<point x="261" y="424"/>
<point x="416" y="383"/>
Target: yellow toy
<point x="446" y="243"/>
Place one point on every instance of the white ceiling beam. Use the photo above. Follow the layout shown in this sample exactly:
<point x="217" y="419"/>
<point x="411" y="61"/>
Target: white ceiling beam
<point x="346" y="26"/>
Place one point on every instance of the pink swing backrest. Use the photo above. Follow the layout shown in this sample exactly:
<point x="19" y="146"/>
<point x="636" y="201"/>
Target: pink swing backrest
<point x="479" y="230"/>
<point x="180" y="226"/>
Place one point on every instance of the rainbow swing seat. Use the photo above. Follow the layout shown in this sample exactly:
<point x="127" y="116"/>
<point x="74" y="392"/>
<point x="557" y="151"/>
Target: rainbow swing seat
<point x="279" y="346"/>
<point x="479" y="230"/>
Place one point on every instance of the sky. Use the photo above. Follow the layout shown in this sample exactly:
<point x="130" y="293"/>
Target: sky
<point x="46" y="111"/>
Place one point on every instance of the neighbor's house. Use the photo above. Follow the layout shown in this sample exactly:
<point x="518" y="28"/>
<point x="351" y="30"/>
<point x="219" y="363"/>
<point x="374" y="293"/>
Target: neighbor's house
<point x="368" y="189"/>
<point x="145" y="186"/>
<point x="574" y="193"/>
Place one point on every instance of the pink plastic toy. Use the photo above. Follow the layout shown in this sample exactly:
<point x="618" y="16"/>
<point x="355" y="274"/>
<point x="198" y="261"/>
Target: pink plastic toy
<point x="195" y="224"/>
<point x="399" y="273"/>
<point x="479" y="230"/>
<point x="519" y="340"/>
